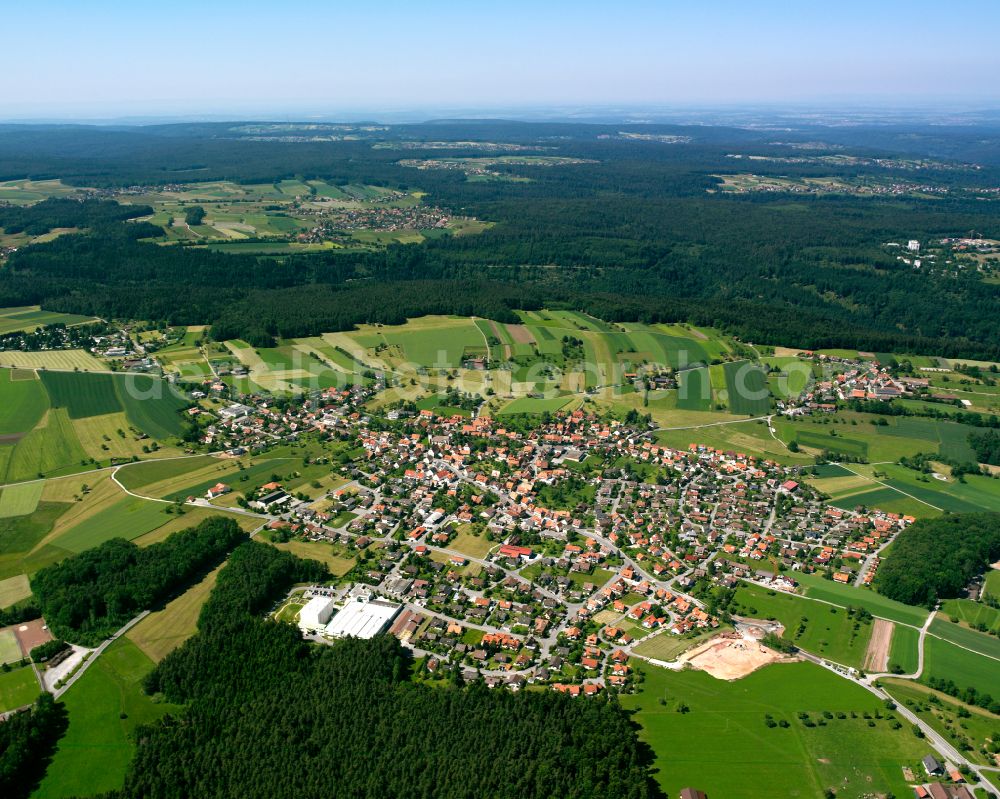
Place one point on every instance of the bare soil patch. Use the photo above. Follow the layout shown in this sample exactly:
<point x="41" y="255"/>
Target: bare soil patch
<point x="730" y="658"/>
<point x="31" y="634"/>
<point x="521" y="334"/>
<point x="877" y="656"/>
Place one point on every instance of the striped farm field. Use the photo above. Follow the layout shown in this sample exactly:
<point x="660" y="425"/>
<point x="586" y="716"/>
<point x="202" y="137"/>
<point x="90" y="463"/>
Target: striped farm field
<point x="82" y="395"/>
<point x="128" y="518"/>
<point x="138" y="476"/>
<point x="21" y="499"/>
<point x="164" y="630"/>
<point x="746" y="384"/>
<point x="63" y="360"/>
<point x="694" y="390"/>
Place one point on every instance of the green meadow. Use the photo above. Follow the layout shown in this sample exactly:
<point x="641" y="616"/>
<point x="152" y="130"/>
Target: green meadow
<point x="713" y="735"/>
<point x="105" y="708"/>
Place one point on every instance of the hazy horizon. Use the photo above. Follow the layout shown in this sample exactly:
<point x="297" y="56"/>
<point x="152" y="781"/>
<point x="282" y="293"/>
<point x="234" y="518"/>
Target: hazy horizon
<point x="110" y="60"/>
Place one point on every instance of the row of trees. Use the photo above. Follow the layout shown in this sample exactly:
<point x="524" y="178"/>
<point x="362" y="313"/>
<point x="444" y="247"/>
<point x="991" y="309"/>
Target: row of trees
<point x="87" y="597"/>
<point x="937" y="558"/>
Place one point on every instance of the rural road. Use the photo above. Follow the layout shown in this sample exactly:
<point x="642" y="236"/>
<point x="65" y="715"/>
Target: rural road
<point x="97" y="652"/>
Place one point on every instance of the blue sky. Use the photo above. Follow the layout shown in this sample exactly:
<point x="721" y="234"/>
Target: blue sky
<point x="101" y="57"/>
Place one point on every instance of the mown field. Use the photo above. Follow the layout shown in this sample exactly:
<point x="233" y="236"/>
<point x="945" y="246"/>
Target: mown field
<point x="164" y="630"/>
<point x="723" y="746"/>
<point x="18" y="688"/>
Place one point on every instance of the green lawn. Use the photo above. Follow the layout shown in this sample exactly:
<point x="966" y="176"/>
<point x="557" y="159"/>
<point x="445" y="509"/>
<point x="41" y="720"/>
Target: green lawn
<point x="723" y="746"/>
<point x="105" y="707"/>
<point x="818" y="587"/>
<point x="814" y="626"/>
<point x="18" y="688"/>
<point x="10" y="650"/>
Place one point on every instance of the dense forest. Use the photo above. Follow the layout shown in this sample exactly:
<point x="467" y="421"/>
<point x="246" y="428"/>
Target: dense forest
<point x="631" y="234"/>
<point x="937" y="558"/>
<point x="85" y="598"/>
<point x="27" y="741"/>
<point x="271" y="716"/>
<point x="987" y="446"/>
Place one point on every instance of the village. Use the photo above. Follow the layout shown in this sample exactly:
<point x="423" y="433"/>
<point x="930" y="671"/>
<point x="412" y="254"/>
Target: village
<point x="540" y="555"/>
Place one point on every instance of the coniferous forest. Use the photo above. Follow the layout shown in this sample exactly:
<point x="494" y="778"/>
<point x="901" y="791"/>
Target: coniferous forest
<point x="87" y="597"/>
<point x="270" y="716"/>
<point x="634" y="231"/>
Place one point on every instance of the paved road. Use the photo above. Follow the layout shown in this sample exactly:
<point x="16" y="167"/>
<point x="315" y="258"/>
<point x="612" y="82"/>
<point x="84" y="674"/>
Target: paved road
<point x="97" y="653"/>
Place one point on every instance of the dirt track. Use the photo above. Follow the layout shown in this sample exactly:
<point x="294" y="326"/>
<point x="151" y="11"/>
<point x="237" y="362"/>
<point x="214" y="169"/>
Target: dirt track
<point x="877" y="656"/>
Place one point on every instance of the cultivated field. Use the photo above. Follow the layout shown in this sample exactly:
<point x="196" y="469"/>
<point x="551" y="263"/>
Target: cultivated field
<point x="877" y="656"/>
<point x="63" y="360"/>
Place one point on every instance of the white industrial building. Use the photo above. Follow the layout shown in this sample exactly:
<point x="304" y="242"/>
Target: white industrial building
<point x="316" y="613"/>
<point x="362" y="618"/>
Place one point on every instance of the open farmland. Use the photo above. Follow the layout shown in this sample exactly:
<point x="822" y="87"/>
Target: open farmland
<point x="128" y="518"/>
<point x="14" y="589"/>
<point x="51" y="447"/>
<point x="61" y="360"/>
<point x="946" y="661"/>
<point x="29" y="318"/>
<point x="81" y="394"/>
<point x="20" y="499"/>
<point x="817" y="587"/>
<point x="23" y="402"/>
<point x="723" y="746"/>
<point x="19" y="535"/>
<point x="746" y="387"/>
